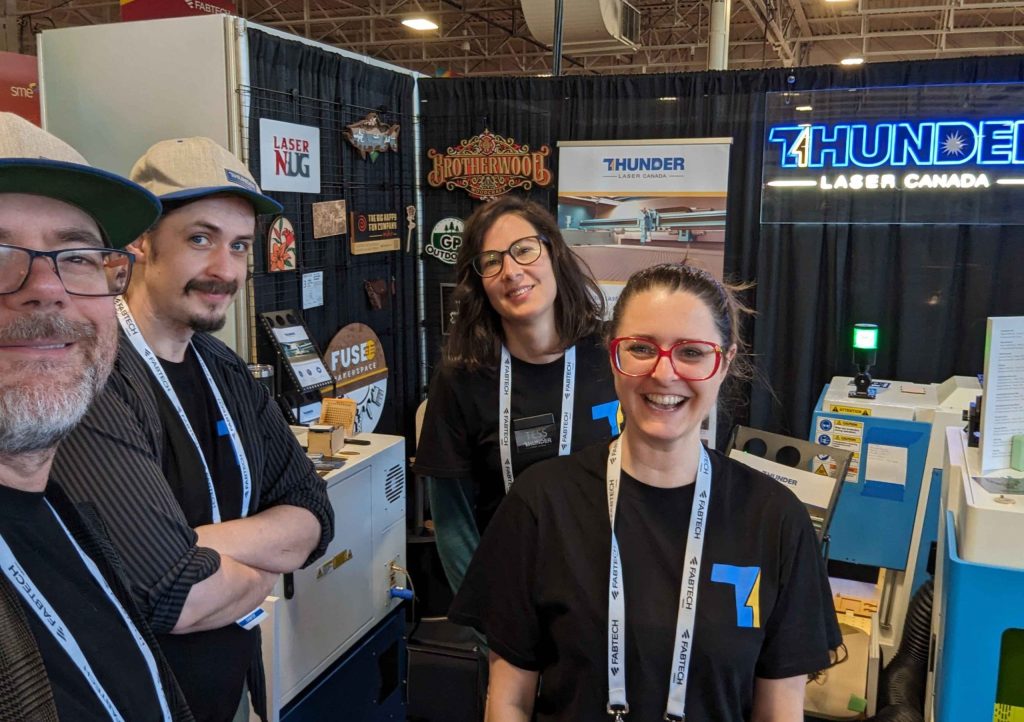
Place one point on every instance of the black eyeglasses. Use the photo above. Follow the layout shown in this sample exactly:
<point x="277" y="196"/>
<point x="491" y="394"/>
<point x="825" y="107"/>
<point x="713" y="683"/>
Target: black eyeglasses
<point x="83" y="271"/>
<point x="523" y="251"/>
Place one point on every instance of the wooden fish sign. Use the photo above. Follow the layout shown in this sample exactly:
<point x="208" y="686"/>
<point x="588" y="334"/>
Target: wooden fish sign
<point x="371" y="136"/>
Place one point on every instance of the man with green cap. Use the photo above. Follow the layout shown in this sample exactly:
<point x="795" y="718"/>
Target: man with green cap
<point x="73" y="645"/>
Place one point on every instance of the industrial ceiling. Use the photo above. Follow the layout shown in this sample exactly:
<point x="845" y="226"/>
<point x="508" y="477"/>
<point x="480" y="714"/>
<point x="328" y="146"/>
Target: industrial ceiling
<point x="494" y="37"/>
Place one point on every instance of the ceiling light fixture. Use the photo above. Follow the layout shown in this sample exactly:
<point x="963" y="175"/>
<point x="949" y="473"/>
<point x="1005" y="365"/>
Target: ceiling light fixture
<point x="803" y="108"/>
<point x="419" y="24"/>
<point x="668" y="98"/>
<point x="852" y="61"/>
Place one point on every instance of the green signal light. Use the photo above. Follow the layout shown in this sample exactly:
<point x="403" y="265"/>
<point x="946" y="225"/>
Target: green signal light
<point x="865" y="336"/>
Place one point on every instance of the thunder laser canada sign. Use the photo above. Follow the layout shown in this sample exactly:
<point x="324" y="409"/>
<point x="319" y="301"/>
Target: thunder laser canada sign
<point x="942" y="154"/>
<point x="858" y="160"/>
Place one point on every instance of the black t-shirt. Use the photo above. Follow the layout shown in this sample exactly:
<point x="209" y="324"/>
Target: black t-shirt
<point x="182" y="465"/>
<point x="460" y="434"/>
<point x="211" y="665"/>
<point x="51" y="561"/>
<point x="538" y="588"/>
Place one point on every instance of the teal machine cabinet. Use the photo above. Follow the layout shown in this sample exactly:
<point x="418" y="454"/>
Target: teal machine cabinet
<point x="978" y="619"/>
<point x="887" y="513"/>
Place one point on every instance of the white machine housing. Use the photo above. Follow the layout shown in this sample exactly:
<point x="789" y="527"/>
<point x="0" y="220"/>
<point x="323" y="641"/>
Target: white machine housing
<point x="345" y="593"/>
<point x="989" y="527"/>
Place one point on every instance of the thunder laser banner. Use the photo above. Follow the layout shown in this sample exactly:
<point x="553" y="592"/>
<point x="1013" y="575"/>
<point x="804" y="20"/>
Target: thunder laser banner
<point x="927" y="154"/>
<point x="669" y="195"/>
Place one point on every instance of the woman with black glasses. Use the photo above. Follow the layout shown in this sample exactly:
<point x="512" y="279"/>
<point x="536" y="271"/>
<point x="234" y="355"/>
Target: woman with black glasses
<point x="649" y="578"/>
<point x="523" y="376"/>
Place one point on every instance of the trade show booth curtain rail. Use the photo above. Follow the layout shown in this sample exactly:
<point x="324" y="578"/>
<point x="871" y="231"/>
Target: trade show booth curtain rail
<point x="929" y="288"/>
<point x="297" y="83"/>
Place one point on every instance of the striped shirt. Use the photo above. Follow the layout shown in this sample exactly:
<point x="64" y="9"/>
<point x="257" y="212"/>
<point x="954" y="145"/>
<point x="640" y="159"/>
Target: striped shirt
<point x="113" y="459"/>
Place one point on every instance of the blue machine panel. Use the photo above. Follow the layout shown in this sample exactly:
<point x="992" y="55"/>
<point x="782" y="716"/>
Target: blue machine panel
<point x="981" y="603"/>
<point x="874" y="518"/>
<point x="929" y="531"/>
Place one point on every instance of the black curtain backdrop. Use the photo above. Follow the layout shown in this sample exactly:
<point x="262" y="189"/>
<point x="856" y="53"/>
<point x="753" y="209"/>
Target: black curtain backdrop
<point x="930" y="288"/>
<point x="297" y="83"/>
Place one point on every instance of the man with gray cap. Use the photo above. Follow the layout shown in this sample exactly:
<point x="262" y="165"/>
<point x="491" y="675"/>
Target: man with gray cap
<point x="190" y="417"/>
<point x="73" y="645"/>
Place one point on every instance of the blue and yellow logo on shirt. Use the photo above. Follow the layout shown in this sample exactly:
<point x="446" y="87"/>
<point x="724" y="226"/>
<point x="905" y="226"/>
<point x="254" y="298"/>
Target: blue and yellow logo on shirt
<point x="612" y="412"/>
<point x="746" y="582"/>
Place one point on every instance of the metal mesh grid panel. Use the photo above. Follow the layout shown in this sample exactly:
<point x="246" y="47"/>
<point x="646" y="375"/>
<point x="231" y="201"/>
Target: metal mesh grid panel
<point x="295" y="83"/>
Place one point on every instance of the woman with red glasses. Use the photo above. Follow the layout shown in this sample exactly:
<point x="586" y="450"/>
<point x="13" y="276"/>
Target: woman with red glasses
<point x="524" y="376"/>
<point x="649" y="578"/>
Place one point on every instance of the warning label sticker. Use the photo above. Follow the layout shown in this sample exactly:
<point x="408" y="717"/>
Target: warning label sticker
<point x="841" y="434"/>
<point x="1008" y="713"/>
<point x="835" y="408"/>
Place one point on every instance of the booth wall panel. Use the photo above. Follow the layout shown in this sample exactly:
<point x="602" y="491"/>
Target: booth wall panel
<point x="929" y="287"/>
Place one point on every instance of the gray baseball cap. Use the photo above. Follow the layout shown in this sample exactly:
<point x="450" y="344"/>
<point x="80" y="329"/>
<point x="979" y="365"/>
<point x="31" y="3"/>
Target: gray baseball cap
<point x="186" y="169"/>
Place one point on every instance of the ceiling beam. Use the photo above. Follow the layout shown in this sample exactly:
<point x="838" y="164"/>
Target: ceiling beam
<point x="772" y="30"/>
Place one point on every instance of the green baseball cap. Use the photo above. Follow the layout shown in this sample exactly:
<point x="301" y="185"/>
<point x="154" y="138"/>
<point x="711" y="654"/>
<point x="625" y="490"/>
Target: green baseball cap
<point x="36" y="162"/>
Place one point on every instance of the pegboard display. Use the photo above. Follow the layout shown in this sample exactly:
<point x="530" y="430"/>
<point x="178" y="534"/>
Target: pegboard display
<point x="301" y="84"/>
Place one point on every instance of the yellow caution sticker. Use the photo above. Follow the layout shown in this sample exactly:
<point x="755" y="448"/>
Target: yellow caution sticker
<point x="1008" y="713"/>
<point x="848" y="410"/>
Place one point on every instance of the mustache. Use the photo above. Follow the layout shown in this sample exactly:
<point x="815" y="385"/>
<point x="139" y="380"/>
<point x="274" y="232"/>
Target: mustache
<point x="211" y="286"/>
<point x="43" y="326"/>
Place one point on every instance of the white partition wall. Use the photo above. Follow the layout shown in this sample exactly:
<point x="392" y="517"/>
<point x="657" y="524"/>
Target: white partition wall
<point x="112" y="91"/>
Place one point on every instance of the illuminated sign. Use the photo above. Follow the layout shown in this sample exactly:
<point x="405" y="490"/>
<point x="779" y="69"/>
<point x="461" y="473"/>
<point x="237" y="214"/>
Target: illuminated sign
<point x="964" y="168"/>
<point x="864" y="145"/>
<point x="940" y="152"/>
<point x="489" y="165"/>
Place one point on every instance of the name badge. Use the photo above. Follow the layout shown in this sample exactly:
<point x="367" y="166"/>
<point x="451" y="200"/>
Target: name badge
<point x="535" y="433"/>
<point x="252" y="619"/>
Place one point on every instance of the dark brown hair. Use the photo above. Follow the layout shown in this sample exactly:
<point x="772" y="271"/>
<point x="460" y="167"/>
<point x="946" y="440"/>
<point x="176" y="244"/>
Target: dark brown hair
<point x="476" y="338"/>
<point x="722" y="299"/>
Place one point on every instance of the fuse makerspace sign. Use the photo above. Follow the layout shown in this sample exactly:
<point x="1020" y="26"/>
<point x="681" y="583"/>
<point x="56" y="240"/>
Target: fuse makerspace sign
<point x="848" y="162"/>
<point x="355" y="358"/>
<point x="489" y="165"/>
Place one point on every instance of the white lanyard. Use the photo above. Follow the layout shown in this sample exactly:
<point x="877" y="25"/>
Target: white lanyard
<point x="131" y="329"/>
<point x="52" y="621"/>
<point x="505" y="411"/>
<point x="682" y="649"/>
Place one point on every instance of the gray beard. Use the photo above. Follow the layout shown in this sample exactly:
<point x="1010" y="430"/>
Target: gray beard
<point x="37" y="415"/>
<point x="38" y="418"/>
